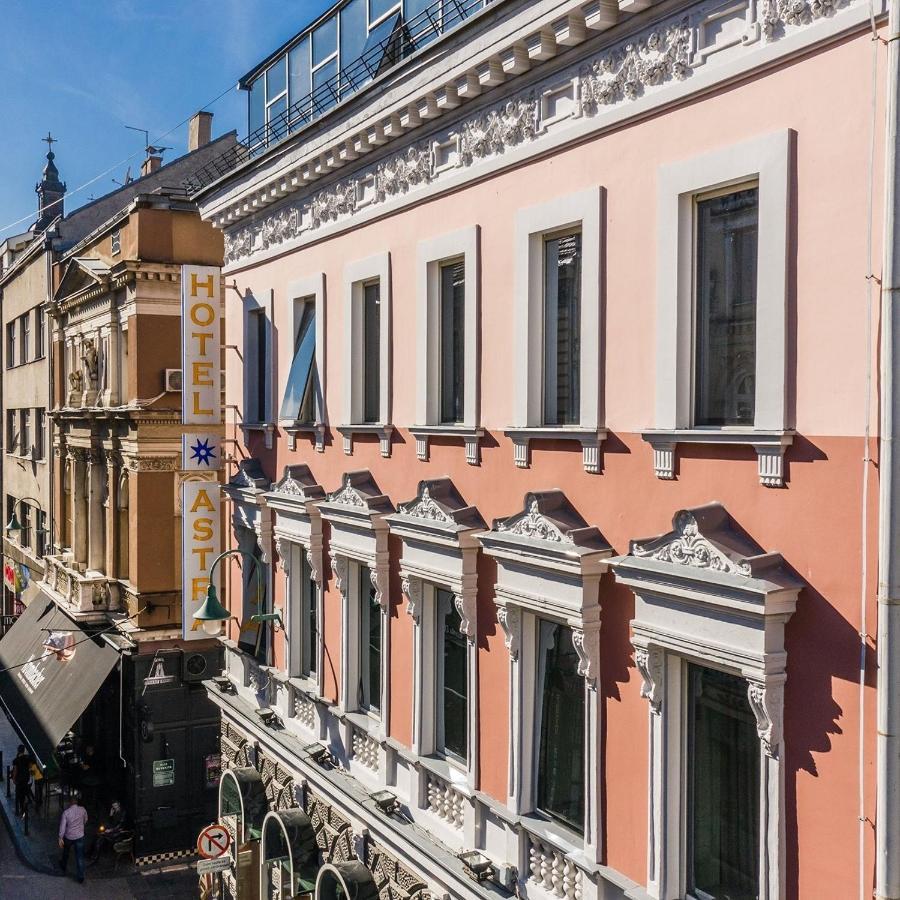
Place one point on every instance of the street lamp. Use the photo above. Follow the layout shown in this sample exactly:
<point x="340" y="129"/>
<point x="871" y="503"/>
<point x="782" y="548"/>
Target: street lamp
<point x="13" y="526"/>
<point x="212" y="614"/>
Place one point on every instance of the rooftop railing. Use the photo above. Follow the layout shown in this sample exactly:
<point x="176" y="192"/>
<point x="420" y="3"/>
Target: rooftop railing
<point x="388" y="44"/>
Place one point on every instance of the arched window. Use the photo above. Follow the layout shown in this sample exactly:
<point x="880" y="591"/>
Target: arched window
<point x="289" y="854"/>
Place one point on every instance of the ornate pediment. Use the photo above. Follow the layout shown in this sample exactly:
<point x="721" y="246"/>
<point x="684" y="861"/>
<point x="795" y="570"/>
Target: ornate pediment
<point x="550" y="518"/>
<point x="249" y="475"/>
<point x="297" y="482"/>
<point x="704" y="538"/>
<point x="358" y="490"/>
<point x="437" y="500"/>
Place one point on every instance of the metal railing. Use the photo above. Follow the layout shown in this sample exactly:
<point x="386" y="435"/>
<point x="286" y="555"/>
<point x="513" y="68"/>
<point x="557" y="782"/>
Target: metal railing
<point x="405" y="38"/>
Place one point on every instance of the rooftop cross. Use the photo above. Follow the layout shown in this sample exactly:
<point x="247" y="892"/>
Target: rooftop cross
<point x="50" y="141"/>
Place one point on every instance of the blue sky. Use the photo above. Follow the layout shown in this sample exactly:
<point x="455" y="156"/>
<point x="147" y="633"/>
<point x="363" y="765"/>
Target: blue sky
<point x="86" y="68"/>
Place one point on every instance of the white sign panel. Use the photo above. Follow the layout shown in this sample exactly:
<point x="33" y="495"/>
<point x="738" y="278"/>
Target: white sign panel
<point x="201" y="452"/>
<point x="219" y="864"/>
<point x="201" y="543"/>
<point x="201" y="354"/>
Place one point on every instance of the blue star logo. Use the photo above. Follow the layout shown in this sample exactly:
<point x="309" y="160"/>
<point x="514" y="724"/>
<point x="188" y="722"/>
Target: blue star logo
<point x="202" y="452"/>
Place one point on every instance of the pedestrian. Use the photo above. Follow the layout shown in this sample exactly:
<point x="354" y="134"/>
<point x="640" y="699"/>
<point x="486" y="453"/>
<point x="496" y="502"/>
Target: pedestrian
<point x="71" y="835"/>
<point x="37" y="779"/>
<point x="21" y="775"/>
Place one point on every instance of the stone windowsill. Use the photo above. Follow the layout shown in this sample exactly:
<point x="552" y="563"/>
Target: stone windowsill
<point x="589" y="438"/>
<point x="383" y="430"/>
<point x="770" y="446"/>
<point x="292" y="428"/>
<point x="267" y="429"/>
<point x="366" y="723"/>
<point x="471" y="435"/>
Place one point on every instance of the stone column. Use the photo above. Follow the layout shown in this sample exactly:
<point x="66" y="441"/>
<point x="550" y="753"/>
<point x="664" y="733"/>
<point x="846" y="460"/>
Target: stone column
<point x="97" y="490"/>
<point x="78" y="499"/>
<point x="111" y="506"/>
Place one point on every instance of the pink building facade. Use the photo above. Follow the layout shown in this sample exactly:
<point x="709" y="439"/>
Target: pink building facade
<point x="552" y="378"/>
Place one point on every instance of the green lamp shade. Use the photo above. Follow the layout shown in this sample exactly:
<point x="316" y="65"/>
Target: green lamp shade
<point x="212" y="610"/>
<point x="13" y="524"/>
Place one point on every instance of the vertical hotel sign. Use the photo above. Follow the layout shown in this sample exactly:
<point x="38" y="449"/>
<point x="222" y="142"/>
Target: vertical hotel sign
<point x="201" y="415"/>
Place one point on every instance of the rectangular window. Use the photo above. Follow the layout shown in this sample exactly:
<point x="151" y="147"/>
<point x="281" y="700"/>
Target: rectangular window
<point x="453" y="300"/>
<point x="725" y="309"/>
<point x="11" y="432"/>
<point x="24" y="432"/>
<point x="309" y="633"/>
<point x="299" y="395"/>
<point x="560" y="764"/>
<point x="256" y="367"/>
<point x="116" y="243"/>
<point x="372" y="352"/>
<point x="723" y="788"/>
<point x="25" y="533"/>
<point x="39" y="333"/>
<point x="25" y="343"/>
<point x="562" y="329"/>
<point x="369" y="694"/>
<point x="11" y="344"/>
<point x="452" y="695"/>
<point x="40" y="424"/>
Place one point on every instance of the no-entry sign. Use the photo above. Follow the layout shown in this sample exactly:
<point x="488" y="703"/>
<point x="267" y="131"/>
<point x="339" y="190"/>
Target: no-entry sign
<point x="213" y="841"/>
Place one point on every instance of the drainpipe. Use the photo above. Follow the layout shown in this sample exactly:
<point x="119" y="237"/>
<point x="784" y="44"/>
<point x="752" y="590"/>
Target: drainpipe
<point x="887" y="847"/>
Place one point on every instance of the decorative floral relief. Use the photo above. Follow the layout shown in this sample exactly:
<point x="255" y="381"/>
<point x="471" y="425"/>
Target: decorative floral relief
<point x="402" y="172"/>
<point x="767" y="703"/>
<point x="625" y="73"/>
<point x="496" y="130"/>
<point x="289" y="487"/>
<point x="426" y="508"/>
<point x="331" y="204"/>
<point x="776" y="14"/>
<point x="348" y="496"/>
<point x="687" y="547"/>
<point x="535" y="526"/>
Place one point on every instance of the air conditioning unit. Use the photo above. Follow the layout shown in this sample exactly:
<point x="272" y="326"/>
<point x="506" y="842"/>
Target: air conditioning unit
<point x="197" y="666"/>
<point x="173" y="380"/>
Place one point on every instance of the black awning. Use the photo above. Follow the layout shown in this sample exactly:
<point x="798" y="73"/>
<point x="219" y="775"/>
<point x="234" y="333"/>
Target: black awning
<point x="50" y="671"/>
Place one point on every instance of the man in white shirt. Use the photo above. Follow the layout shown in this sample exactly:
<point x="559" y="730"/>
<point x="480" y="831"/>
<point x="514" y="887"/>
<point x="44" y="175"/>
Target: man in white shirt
<point x="71" y="835"/>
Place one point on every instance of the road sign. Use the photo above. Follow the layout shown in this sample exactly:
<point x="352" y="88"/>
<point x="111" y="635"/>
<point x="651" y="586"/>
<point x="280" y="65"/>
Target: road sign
<point x="220" y="864"/>
<point x="213" y="841"/>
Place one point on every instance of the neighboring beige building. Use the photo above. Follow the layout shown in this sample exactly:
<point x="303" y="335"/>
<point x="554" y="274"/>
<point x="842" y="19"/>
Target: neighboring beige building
<point x="26" y="261"/>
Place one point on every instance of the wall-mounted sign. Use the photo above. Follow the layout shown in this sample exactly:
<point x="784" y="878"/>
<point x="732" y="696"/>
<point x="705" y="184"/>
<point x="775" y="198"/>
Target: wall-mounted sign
<point x="201" y="543"/>
<point x="213" y="841"/>
<point x="201" y="353"/>
<point x="219" y="864"/>
<point x="201" y="452"/>
<point x="158" y="674"/>
<point x="163" y="772"/>
<point x="212" y="769"/>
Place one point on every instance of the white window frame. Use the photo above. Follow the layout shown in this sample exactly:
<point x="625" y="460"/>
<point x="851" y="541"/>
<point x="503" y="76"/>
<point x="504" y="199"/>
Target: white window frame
<point x="430" y="256"/>
<point x="765" y="160"/>
<point x="712" y="609"/>
<point x="263" y="420"/>
<point x="356" y="276"/>
<point x="359" y="536"/>
<point x="303" y="289"/>
<point x="580" y="211"/>
<point x="551" y="572"/>
<point x="439" y="533"/>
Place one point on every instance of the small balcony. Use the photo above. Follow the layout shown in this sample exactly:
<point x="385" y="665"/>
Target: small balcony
<point x="77" y="589"/>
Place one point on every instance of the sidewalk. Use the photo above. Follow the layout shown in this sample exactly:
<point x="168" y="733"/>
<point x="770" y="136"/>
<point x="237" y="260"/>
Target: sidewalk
<point x="39" y="849"/>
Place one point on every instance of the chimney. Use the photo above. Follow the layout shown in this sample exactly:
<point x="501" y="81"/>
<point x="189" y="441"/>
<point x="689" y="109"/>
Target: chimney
<point x="199" y="130"/>
<point x="151" y="164"/>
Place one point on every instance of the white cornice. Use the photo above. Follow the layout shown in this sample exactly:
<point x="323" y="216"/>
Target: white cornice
<point x="660" y="65"/>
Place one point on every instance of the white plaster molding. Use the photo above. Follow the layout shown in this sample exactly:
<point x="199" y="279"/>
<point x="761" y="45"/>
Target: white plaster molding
<point x="412" y="590"/>
<point x="650" y="663"/>
<point x="466" y="606"/>
<point x="767" y="702"/>
<point x="586" y="641"/>
<point x="532" y="524"/>
<point x="339" y="566"/>
<point x="510" y="619"/>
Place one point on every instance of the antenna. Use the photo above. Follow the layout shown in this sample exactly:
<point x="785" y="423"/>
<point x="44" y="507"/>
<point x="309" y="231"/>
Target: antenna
<point x="144" y="132"/>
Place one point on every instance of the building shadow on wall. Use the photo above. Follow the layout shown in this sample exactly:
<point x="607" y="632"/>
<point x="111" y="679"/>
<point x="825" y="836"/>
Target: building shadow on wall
<point x="821" y="646"/>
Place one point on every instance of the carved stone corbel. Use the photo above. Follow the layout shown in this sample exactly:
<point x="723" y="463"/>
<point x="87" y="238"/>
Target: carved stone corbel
<point x="339" y="565"/>
<point x="283" y="554"/>
<point x="767" y="703"/>
<point x="412" y="589"/>
<point x="587" y="646"/>
<point x="510" y="619"/>
<point x="649" y="662"/>
<point x="466" y="607"/>
<point x="381" y="595"/>
<point x="312" y="562"/>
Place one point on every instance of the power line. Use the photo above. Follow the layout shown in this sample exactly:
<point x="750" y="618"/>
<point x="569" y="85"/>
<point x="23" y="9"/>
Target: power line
<point x="89" y="637"/>
<point x="121" y="163"/>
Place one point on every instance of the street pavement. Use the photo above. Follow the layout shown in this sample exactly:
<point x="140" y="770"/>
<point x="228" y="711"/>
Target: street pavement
<point x="19" y="882"/>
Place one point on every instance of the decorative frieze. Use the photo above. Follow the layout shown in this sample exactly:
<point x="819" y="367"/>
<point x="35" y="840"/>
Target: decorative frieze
<point x="493" y="132"/>
<point x="393" y="880"/>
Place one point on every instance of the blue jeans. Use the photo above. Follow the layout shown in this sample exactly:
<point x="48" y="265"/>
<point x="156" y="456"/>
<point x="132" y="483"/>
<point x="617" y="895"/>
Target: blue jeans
<point x="78" y="844"/>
